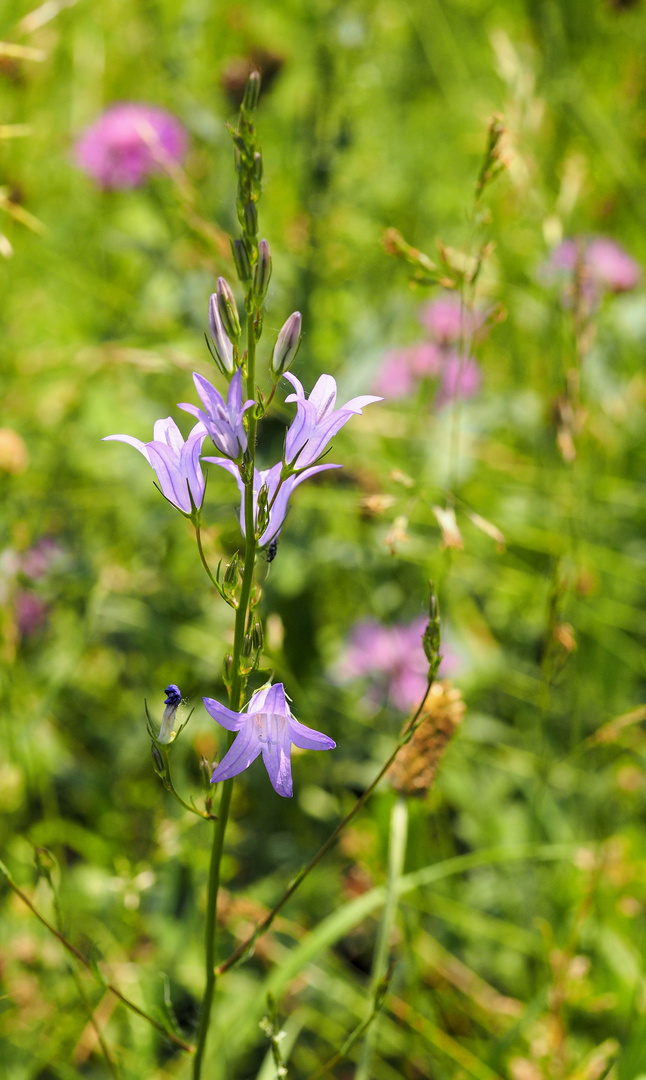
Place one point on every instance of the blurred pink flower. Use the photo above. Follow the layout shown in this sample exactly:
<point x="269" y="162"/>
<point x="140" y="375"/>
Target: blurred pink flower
<point x="30" y="613"/>
<point x="402" y="368"/>
<point x="446" y="321"/>
<point x="37" y="560"/>
<point x="461" y="378"/>
<point x="394" y="656"/>
<point x="602" y="264"/>
<point x="128" y="142"/>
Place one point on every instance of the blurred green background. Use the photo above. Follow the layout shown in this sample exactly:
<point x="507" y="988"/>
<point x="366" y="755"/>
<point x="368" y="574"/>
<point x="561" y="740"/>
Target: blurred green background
<point x="373" y="115"/>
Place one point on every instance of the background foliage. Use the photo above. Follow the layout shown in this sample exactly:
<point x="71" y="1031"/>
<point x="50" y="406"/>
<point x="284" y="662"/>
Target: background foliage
<point x="373" y="114"/>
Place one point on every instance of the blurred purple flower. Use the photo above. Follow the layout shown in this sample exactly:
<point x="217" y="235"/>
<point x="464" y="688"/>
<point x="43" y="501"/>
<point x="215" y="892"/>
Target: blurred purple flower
<point x="394" y="656"/>
<point x="446" y="321"/>
<point x="30" y="613"/>
<point x="460" y="379"/>
<point x="601" y="263"/>
<point x="37" y="560"/>
<point x="176" y="463"/>
<point x="278" y="494"/>
<point x="316" y="420"/>
<point x="267" y="728"/>
<point x="223" y="421"/>
<point x="128" y="142"/>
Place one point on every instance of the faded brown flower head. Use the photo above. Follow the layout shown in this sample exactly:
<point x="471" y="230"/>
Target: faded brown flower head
<point x="415" y="767"/>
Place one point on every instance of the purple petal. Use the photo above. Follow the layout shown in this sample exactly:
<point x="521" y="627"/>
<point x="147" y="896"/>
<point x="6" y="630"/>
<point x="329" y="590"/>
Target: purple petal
<point x="301" y="429"/>
<point x="276" y="756"/>
<point x="257" y="702"/>
<point x="234" y="397"/>
<point x="191" y="468"/>
<point x="323" y="396"/>
<point x="187" y="407"/>
<point x="275" y="700"/>
<point x="307" y="738"/>
<point x="356" y="404"/>
<point x="245" y="749"/>
<point x="298" y="386"/>
<point x="279" y="509"/>
<point x="171" y="481"/>
<point x="167" y="431"/>
<point x="229" y="719"/>
<point x="325" y="430"/>
<point x="212" y="400"/>
<point x="137" y="443"/>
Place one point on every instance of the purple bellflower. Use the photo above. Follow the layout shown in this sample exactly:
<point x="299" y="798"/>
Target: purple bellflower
<point x="316" y="420"/>
<point x="222" y="420"/>
<point x="278" y="494"/>
<point x="128" y="142"/>
<point x="267" y="728"/>
<point x="176" y="463"/>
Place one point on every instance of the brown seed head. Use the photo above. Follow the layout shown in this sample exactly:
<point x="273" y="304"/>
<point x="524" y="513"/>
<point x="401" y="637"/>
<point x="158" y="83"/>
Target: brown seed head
<point x="415" y="767"/>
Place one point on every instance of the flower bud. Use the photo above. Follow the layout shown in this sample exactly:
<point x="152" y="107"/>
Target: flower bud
<point x="257" y="637"/>
<point x="262" y="273"/>
<point x="228" y="310"/>
<point x="262" y="511"/>
<point x="251" y="219"/>
<point x="221" y="343"/>
<point x="251" y="92"/>
<point x="158" y="760"/>
<point x="227" y="669"/>
<point x="231" y="572"/>
<point x="257" y="166"/>
<point x="241" y="259"/>
<point x="286" y="346"/>
<point x="172" y="702"/>
<point x="431" y="638"/>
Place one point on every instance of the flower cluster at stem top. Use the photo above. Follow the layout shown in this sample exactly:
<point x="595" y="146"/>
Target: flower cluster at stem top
<point x="176" y="462"/>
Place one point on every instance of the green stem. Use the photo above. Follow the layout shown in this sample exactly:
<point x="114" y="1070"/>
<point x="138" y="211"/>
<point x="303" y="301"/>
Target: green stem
<point x="236" y="693"/>
<point x="211" y="925"/>
<point x="396" y="855"/>
<point x="198" y="535"/>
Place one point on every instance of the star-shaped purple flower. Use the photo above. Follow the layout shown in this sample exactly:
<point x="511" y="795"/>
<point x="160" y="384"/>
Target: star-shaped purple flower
<point x="222" y="420"/>
<point x="278" y="494"/>
<point x="267" y="728"/>
<point x="176" y="463"/>
<point x="316" y="420"/>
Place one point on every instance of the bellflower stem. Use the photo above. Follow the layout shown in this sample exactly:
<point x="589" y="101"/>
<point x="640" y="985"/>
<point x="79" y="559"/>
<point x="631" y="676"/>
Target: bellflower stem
<point x="236" y="693"/>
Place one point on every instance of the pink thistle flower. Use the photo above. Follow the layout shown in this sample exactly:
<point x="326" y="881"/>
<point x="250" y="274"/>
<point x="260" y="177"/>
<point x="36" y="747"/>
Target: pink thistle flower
<point x="600" y="263"/>
<point x="446" y="321"/>
<point x="461" y="378"/>
<point x="402" y="368"/>
<point x="30" y="612"/>
<point x="394" y="657"/>
<point x="128" y="142"/>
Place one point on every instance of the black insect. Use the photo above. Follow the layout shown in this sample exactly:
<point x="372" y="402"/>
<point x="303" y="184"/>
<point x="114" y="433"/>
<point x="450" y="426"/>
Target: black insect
<point x="272" y="548"/>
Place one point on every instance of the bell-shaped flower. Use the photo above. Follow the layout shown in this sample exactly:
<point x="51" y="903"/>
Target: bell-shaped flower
<point x="222" y="420"/>
<point x="278" y="493"/>
<point x="317" y="420"/>
<point x="176" y="463"/>
<point x="267" y="728"/>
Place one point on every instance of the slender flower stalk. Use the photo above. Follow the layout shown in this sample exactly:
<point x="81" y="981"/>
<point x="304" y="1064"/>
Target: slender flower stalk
<point x="248" y="186"/>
